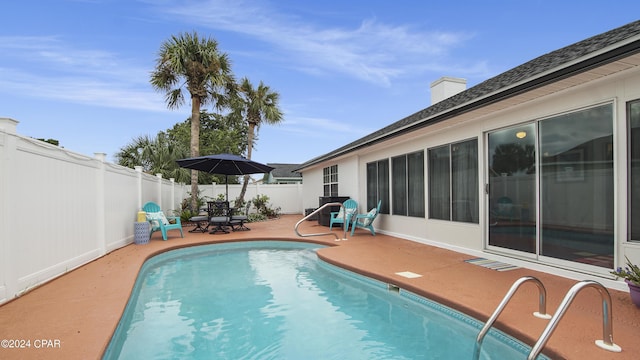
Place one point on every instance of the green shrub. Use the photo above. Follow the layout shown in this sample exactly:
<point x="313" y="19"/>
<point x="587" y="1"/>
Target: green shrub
<point x="186" y="214"/>
<point x="261" y="202"/>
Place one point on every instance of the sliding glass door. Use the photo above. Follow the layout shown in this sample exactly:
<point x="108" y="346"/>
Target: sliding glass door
<point x="511" y="188"/>
<point x="576" y="186"/>
<point x="550" y="191"/>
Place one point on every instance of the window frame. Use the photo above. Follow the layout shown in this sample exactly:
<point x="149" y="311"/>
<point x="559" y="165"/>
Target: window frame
<point x="632" y="235"/>
<point x="404" y="186"/>
<point x="330" y="180"/>
<point x="448" y="211"/>
<point x="378" y="184"/>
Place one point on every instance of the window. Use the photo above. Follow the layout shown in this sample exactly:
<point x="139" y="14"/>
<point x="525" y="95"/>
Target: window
<point x="633" y="114"/>
<point x="330" y="180"/>
<point x="408" y="184"/>
<point x="378" y="185"/>
<point x="399" y="175"/>
<point x="464" y="181"/>
<point x="453" y="182"/>
<point x="439" y="183"/>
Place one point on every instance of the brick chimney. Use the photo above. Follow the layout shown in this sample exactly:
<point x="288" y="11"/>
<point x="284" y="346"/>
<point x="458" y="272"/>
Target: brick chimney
<point x="446" y="87"/>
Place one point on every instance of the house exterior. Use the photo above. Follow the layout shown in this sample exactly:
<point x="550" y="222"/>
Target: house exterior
<point x="539" y="165"/>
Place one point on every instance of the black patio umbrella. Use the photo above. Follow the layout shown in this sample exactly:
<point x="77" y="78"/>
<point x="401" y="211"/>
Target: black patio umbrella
<point x="224" y="164"/>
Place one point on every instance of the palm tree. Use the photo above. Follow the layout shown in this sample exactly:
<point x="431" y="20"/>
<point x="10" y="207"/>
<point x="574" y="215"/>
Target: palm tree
<point x="188" y="61"/>
<point x="156" y="156"/>
<point x="131" y="155"/>
<point x="258" y="106"/>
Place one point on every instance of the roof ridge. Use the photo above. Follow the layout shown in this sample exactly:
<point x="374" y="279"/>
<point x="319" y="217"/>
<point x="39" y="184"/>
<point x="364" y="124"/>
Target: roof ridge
<point x="526" y="71"/>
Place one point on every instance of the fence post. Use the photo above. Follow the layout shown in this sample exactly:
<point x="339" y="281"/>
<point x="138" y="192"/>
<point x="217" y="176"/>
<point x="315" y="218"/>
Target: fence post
<point x="8" y="232"/>
<point x="173" y="194"/>
<point x="159" y="177"/>
<point x="100" y="204"/>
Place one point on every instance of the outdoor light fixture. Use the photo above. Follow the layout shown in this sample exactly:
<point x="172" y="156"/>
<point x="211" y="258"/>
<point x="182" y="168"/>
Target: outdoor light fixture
<point x="521" y="134"/>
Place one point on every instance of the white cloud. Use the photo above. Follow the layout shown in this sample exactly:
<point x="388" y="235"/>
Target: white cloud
<point x="370" y="51"/>
<point x="62" y="72"/>
<point x="312" y="127"/>
<point x="54" y="52"/>
<point x="80" y="90"/>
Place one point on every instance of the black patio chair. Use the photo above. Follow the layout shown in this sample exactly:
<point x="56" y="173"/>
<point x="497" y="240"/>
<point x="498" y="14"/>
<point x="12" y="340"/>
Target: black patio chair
<point x="237" y="221"/>
<point x="219" y="216"/>
<point x="201" y="220"/>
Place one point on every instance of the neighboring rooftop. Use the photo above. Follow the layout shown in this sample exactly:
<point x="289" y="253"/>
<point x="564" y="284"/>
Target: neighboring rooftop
<point x="283" y="173"/>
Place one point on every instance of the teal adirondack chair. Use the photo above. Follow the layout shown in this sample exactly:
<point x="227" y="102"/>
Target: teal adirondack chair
<point x="365" y="221"/>
<point x="350" y="208"/>
<point x="160" y="222"/>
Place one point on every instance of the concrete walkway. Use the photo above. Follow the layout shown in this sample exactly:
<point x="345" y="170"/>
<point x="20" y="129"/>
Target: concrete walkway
<point x="74" y="316"/>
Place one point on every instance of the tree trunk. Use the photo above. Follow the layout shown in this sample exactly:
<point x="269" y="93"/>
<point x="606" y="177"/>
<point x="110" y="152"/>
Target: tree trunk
<point x="246" y="177"/>
<point x="195" y="148"/>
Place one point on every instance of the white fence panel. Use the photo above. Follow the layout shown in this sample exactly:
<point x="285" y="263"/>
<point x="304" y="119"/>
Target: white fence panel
<point x="57" y="214"/>
<point x="7" y="198"/>
<point x="60" y="210"/>
<point x="288" y="197"/>
<point x="149" y="189"/>
<point x="121" y="205"/>
<point x="168" y="203"/>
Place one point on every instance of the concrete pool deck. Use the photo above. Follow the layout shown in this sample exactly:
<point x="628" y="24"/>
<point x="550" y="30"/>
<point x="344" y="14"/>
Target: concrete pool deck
<point x="74" y="316"/>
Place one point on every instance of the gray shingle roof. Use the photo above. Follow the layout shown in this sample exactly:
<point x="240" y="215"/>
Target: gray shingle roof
<point x="285" y="170"/>
<point x="525" y="77"/>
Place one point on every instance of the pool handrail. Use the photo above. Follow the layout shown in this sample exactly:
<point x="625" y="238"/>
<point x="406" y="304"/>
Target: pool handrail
<point x="344" y="214"/>
<point x="607" y="325"/>
<point x="541" y="313"/>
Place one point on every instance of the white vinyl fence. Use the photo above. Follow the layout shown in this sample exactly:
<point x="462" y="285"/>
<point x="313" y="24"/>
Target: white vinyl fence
<point x="287" y="197"/>
<point x="60" y="209"/>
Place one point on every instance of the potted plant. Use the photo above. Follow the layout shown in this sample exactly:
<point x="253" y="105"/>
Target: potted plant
<point x="631" y="275"/>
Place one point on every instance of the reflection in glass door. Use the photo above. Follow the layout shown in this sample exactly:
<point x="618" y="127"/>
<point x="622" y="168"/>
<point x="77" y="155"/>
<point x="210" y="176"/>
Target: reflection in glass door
<point x="512" y="188"/>
<point x="564" y="165"/>
<point x="576" y="187"/>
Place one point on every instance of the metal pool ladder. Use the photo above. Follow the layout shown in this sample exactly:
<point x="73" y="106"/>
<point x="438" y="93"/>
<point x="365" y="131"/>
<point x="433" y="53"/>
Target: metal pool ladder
<point x="607" y="327"/>
<point x="344" y="222"/>
<point x="541" y="313"/>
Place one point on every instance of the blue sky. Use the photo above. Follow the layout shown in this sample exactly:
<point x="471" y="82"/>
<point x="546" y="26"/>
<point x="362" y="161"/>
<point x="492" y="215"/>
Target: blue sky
<point x="78" y="70"/>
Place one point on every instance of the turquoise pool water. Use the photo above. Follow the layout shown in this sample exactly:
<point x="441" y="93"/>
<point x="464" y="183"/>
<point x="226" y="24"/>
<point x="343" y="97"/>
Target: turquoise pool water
<point x="276" y="300"/>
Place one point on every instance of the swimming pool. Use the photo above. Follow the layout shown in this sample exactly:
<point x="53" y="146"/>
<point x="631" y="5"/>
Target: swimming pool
<point x="276" y="300"/>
